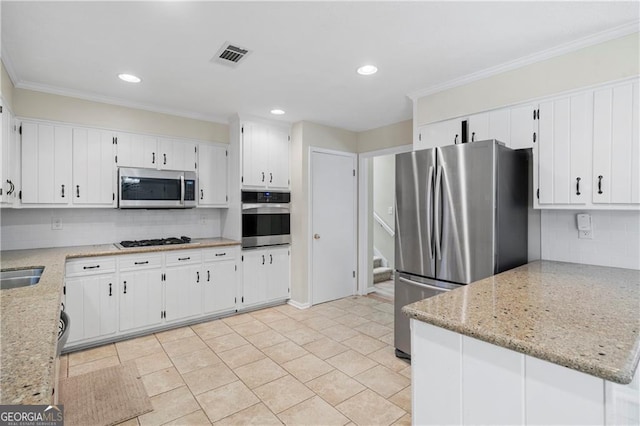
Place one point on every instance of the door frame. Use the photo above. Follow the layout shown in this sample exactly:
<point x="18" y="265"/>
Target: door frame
<point x="354" y="159"/>
<point x="365" y="269"/>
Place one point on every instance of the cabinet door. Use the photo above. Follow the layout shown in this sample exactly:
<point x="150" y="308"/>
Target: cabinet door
<point x="278" y="274"/>
<point x="91" y="305"/>
<point x="479" y="127"/>
<point x="183" y="292"/>
<point x="254" y="280"/>
<point x="278" y="169"/>
<point x="93" y="167"/>
<point x="616" y="146"/>
<point x="254" y="155"/>
<point x="212" y="175"/>
<point x="176" y="155"/>
<point x="10" y="158"/>
<point x="441" y="133"/>
<point x="500" y="126"/>
<point x="140" y="299"/>
<point x="522" y="127"/>
<point x="46" y="163"/>
<point x="220" y="285"/>
<point x="137" y="150"/>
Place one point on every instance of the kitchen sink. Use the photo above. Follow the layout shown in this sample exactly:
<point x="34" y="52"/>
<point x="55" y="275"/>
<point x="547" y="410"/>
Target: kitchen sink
<point x="20" y="278"/>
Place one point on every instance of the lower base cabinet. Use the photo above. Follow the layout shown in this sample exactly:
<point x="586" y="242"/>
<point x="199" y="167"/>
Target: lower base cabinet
<point x="265" y="275"/>
<point x="92" y="303"/>
<point x="140" y="299"/>
<point x="219" y="280"/>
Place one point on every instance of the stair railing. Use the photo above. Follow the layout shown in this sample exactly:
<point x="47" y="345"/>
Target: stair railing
<point x="383" y="224"/>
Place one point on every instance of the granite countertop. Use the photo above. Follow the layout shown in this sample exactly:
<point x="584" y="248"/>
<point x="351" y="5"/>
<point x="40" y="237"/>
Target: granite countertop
<point x="579" y="316"/>
<point x="29" y="316"/>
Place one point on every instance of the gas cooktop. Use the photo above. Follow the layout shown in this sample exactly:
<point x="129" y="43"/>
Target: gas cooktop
<point x="154" y="242"/>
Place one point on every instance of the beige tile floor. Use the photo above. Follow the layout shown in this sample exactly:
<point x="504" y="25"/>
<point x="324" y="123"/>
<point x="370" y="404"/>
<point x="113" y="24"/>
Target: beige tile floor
<point x="333" y="363"/>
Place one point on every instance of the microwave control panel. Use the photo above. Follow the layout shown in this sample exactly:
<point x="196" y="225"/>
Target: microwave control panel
<point x="189" y="190"/>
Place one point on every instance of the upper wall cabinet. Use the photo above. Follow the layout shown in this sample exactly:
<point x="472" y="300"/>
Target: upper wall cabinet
<point x="442" y="133"/>
<point x="10" y="162"/>
<point x="93" y="167"/>
<point x="46" y="163"/>
<point x="137" y="150"/>
<point x="616" y="145"/>
<point x="176" y="155"/>
<point x="212" y="175"/>
<point x="265" y="156"/>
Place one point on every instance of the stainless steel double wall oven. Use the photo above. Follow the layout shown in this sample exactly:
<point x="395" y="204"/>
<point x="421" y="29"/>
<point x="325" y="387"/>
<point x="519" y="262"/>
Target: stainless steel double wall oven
<point x="266" y="218"/>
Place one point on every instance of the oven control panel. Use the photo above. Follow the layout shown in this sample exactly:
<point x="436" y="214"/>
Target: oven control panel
<point x="266" y="197"/>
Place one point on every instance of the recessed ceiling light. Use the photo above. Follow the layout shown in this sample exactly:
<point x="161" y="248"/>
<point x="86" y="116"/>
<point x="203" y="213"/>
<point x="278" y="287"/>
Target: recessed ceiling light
<point x="367" y="70"/>
<point x="277" y="112"/>
<point x="129" y="78"/>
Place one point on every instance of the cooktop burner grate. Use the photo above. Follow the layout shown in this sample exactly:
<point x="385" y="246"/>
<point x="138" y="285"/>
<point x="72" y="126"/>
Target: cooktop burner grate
<point x="155" y="242"/>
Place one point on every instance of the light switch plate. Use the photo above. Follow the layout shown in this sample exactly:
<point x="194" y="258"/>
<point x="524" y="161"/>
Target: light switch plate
<point x="390" y="210"/>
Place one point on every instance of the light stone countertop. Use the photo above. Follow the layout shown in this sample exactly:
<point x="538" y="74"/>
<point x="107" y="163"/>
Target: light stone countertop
<point x="579" y="316"/>
<point x="29" y="316"/>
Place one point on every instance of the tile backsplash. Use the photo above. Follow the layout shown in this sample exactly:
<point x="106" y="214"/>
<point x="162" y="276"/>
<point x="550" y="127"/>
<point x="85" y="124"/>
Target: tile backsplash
<point x="616" y="238"/>
<point x="32" y="228"/>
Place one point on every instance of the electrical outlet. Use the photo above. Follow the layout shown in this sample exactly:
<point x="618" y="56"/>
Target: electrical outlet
<point x="585" y="235"/>
<point x="56" y="223"/>
<point x="203" y="220"/>
<point x="390" y="210"/>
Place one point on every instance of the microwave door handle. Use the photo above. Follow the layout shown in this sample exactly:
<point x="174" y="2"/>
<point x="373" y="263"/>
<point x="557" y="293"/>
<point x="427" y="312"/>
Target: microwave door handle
<point x="181" y="189"/>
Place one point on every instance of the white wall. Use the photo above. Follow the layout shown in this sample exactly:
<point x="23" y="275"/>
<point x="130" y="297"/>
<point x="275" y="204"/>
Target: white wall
<point x="31" y="228"/>
<point x="6" y="87"/>
<point x="616" y="238"/>
<point x="384" y="192"/>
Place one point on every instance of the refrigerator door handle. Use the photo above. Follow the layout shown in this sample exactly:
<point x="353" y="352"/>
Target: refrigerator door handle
<point x="430" y="211"/>
<point x="432" y="287"/>
<point x="436" y="213"/>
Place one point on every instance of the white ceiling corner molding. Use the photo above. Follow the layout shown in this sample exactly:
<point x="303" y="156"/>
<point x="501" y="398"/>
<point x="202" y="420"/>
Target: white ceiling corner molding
<point x="8" y="65"/>
<point x="601" y="37"/>
<point x="37" y="87"/>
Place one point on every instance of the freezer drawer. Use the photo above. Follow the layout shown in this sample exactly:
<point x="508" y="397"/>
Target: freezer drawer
<point x="409" y="289"/>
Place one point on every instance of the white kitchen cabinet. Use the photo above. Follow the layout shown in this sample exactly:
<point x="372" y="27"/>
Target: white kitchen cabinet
<point x="500" y="126"/>
<point x="522" y="126"/>
<point x="91" y="298"/>
<point x="563" y="150"/>
<point x="219" y="279"/>
<point x="176" y="155"/>
<point x="616" y="145"/>
<point x="137" y="150"/>
<point x="212" y="175"/>
<point x="448" y="132"/>
<point x="478" y="127"/>
<point x="183" y="285"/>
<point x="93" y="167"/>
<point x="140" y="292"/>
<point x="265" y="156"/>
<point x="265" y="275"/>
<point x="10" y="162"/>
<point x="46" y="163"/>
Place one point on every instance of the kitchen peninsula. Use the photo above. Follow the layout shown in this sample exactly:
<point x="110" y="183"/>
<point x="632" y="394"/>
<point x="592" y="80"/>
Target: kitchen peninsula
<point x="545" y="343"/>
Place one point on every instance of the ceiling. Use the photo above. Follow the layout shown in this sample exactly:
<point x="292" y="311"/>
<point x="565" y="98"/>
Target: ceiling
<point x="303" y="56"/>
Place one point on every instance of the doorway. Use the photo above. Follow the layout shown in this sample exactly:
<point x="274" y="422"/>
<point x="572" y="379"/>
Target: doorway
<point x="333" y="204"/>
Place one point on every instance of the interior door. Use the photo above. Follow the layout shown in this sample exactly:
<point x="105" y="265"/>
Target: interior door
<point x="333" y="225"/>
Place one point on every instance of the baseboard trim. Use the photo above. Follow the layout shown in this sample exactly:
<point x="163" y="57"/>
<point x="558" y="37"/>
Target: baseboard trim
<point x="298" y="304"/>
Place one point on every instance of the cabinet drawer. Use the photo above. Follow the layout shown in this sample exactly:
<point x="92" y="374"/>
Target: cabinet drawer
<point x="221" y="253"/>
<point x="183" y="257"/>
<point x="128" y="263"/>
<point x="90" y="266"/>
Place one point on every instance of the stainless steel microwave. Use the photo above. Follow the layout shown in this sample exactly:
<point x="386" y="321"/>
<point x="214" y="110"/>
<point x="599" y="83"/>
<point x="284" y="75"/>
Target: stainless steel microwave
<point x="156" y="189"/>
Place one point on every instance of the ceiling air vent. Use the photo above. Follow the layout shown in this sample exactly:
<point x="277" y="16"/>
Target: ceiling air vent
<point x="230" y="54"/>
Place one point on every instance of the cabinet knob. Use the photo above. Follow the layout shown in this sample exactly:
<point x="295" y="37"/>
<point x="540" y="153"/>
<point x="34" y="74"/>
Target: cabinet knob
<point x="316" y="236"/>
<point x="473" y="136"/>
<point x="455" y="140"/>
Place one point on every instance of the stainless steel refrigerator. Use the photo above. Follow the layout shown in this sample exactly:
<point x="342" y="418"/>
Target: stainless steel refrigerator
<point x="461" y="215"/>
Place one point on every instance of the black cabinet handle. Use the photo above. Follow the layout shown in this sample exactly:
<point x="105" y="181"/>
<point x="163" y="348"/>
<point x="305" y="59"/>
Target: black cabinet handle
<point x="125" y="287"/>
<point x="208" y="276"/>
<point x="577" y="186"/>
<point x="473" y="136"/>
<point x="62" y="191"/>
<point x="153" y="158"/>
<point x="77" y="191"/>
<point x="263" y="259"/>
<point x="221" y="254"/>
<point x="455" y="140"/>
<point x="91" y="267"/>
<point x="165" y="158"/>
<point x="263" y="176"/>
<point x="271" y="260"/>
<point x="109" y="289"/>
<point x="600" y="184"/>
<point x="270" y="177"/>
<point x="141" y="263"/>
<point x="184" y="258"/>
<point x="197" y="276"/>
<point x="201" y="194"/>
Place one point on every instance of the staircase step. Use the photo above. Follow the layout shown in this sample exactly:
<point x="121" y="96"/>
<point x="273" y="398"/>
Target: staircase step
<point x="381" y="273"/>
<point x="377" y="261"/>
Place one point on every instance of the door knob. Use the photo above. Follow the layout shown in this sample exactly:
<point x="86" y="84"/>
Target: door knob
<point x="316" y="236"/>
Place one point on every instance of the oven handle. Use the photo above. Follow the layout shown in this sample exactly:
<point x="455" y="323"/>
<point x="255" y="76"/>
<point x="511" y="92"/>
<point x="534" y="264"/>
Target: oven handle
<point x="265" y="209"/>
<point x="181" y="189"/>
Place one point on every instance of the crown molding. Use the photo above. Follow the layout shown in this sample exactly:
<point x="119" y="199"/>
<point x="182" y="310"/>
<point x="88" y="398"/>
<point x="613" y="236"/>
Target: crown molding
<point x="8" y="65"/>
<point x="37" y="87"/>
<point x="601" y="37"/>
